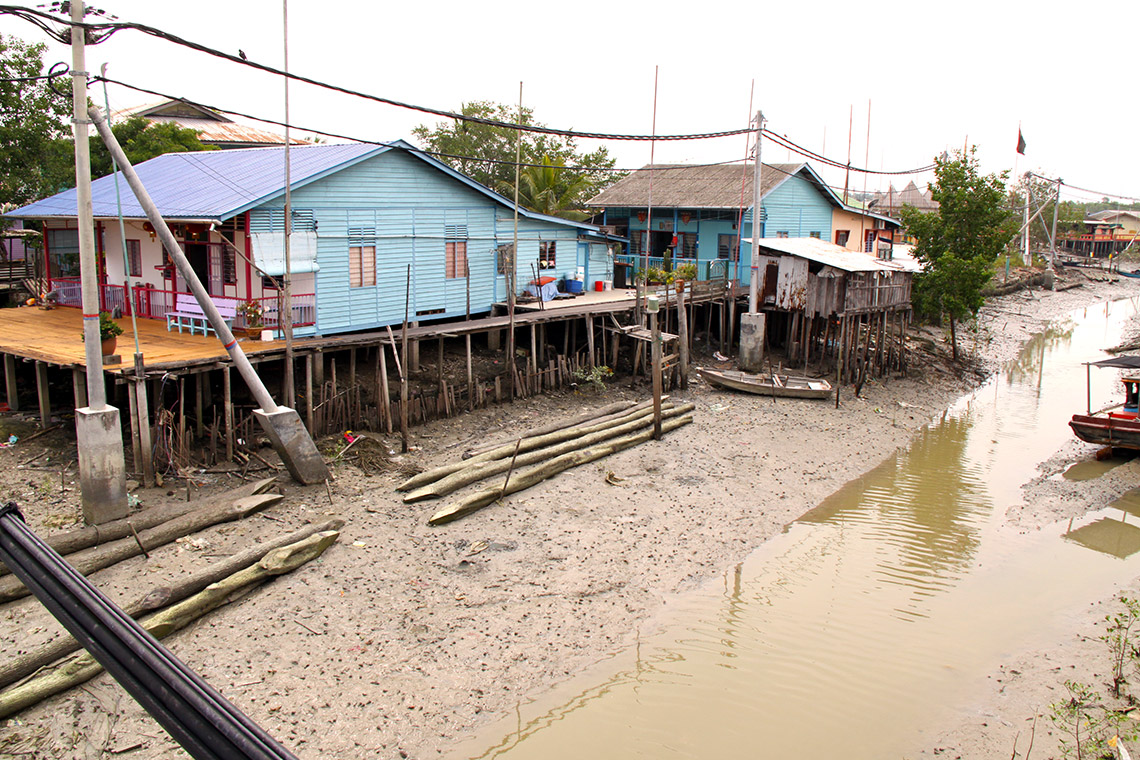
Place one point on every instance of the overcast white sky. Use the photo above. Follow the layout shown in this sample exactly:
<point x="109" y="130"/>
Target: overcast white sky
<point x="935" y="74"/>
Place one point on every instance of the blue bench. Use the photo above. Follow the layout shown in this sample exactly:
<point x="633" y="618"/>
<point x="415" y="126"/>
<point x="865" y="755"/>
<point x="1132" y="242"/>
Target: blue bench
<point x="188" y="313"/>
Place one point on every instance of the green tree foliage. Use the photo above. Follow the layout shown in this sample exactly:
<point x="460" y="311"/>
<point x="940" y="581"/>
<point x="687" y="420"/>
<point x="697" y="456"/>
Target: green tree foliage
<point x="143" y="140"/>
<point x="35" y="152"/>
<point x="959" y="243"/>
<point x="550" y="189"/>
<point x="486" y="153"/>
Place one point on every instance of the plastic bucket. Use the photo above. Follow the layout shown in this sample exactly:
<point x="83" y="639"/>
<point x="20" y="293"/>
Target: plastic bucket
<point x="573" y="286"/>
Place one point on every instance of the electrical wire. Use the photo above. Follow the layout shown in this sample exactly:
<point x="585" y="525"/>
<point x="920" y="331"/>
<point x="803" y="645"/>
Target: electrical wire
<point x="103" y="31"/>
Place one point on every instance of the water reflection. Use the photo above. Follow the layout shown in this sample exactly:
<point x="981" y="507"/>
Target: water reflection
<point x="871" y="608"/>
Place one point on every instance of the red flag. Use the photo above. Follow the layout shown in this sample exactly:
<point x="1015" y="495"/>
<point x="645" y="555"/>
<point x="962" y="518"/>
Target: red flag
<point x="1020" y="142"/>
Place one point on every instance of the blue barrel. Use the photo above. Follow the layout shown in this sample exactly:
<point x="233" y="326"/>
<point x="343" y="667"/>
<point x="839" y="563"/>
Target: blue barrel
<point x="573" y="286"/>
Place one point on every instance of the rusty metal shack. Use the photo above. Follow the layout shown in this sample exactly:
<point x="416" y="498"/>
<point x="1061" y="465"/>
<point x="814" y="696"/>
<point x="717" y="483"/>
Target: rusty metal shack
<point x="831" y="304"/>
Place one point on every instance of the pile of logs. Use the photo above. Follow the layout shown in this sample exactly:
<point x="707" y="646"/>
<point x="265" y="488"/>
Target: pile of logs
<point x="57" y="665"/>
<point x="551" y="450"/>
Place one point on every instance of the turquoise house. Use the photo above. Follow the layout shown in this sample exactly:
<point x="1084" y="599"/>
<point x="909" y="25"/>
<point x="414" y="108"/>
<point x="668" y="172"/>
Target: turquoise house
<point x="376" y="229"/>
<point x="701" y="213"/>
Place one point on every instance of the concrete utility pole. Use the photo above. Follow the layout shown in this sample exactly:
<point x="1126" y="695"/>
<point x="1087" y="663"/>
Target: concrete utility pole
<point x="1053" y="238"/>
<point x="752" y="324"/>
<point x="99" y="435"/>
<point x="285" y="310"/>
<point x="282" y="424"/>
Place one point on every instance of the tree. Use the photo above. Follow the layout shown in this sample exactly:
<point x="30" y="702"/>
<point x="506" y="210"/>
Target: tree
<point x="959" y="243"/>
<point x="35" y="152"/>
<point x="486" y="153"/>
<point x="550" y="189"/>
<point x="142" y="140"/>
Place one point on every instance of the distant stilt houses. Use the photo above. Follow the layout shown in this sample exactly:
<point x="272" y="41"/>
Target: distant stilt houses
<point x="824" y="265"/>
<point x="375" y="231"/>
<point x="1105" y="233"/>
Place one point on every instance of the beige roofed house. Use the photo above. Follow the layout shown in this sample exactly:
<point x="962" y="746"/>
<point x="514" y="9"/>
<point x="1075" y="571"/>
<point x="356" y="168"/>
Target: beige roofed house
<point x="212" y="127"/>
<point x="892" y="201"/>
<point x="1129" y="221"/>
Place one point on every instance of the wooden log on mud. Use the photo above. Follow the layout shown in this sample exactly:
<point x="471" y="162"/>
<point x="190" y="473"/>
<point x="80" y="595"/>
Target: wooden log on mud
<point x="605" y="411"/>
<point x="105" y="555"/>
<point x="506" y="450"/>
<point x="477" y="472"/>
<point x="83" y="538"/>
<point x="549" y="469"/>
<point x="81" y="667"/>
<point x="45" y="654"/>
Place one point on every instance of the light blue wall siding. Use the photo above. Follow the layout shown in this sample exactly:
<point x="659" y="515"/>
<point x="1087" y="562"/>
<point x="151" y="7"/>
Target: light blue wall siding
<point x="798" y="208"/>
<point x="412" y="208"/>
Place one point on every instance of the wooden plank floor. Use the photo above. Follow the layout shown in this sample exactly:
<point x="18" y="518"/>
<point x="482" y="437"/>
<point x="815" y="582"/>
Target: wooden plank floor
<point x="55" y="336"/>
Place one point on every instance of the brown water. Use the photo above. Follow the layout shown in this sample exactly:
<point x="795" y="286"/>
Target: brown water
<point x="845" y="634"/>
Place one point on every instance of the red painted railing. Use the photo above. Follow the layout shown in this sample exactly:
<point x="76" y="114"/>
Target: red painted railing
<point x="154" y="303"/>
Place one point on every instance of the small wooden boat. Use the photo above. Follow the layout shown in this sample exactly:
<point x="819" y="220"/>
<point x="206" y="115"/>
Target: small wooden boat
<point x="1117" y="426"/>
<point x="1135" y="274"/>
<point x="787" y="386"/>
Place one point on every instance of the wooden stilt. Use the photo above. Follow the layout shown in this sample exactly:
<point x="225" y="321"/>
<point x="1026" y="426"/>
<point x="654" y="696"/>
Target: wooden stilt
<point x="309" y="404"/>
<point x="228" y="406"/>
<point x="142" y="405"/>
<point x="199" y="420"/>
<point x="683" y="339"/>
<point x="79" y="385"/>
<point x="136" y="445"/>
<point x="470" y="377"/>
<point x="439" y="361"/>
<point x="590" y="339"/>
<point x="385" y="398"/>
<point x="43" y="394"/>
<point x="13" y="395"/>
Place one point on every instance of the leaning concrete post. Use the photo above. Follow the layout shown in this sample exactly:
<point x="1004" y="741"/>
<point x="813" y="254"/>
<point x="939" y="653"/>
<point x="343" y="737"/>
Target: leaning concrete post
<point x="282" y="424"/>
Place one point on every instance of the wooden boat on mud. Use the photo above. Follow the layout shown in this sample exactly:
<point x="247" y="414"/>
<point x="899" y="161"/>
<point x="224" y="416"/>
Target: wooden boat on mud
<point x="785" y="386"/>
<point x="1117" y="426"/>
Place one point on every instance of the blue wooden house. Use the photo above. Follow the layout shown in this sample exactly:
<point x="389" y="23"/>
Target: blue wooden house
<point x="701" y="213"/>
<point x="375" y="230"/>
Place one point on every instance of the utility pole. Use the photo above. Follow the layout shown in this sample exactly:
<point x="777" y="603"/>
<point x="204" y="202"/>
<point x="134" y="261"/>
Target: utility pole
<point x="285" y="310"/>
<point x="1053" y="241"/>
<point x="752" y="324"/>
<point x="1027" y="259"/>
<point x="98" y="432"/>
<point x="757" y="219"/>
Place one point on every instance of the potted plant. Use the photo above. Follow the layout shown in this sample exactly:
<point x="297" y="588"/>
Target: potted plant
<point x="251" y="312"/>
<point x="109" y="330"/>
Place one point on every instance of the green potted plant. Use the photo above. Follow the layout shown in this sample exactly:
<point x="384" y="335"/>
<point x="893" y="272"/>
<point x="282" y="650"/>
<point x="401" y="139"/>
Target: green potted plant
<point x="109" y="330"/>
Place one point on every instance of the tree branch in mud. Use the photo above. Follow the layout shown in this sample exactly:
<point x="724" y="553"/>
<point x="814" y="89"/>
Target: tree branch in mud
<point x="98" y="557"/>
<point x="477" y="472"/>
<point x="528" y="444"/>
<point x="81" y="667"/>
<point x="549" y="469"/>
<point x="26" y="664"/>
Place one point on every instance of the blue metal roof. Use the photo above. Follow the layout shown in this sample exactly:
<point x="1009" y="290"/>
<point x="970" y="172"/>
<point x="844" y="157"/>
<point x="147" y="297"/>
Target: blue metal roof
<point x="219" y="184"/>
<point x="214" y="184"/>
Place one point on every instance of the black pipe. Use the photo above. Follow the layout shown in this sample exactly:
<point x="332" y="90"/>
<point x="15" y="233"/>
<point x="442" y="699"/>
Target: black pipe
<point x="204" y="722"/>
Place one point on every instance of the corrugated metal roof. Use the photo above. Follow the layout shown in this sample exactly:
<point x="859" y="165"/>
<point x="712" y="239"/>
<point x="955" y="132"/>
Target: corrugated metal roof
<point x="213" y="128"/>
<point x="836" y="256"/>
<point x="219" y="184"/>
<point x="215" y="184"/>
<point x="684" y="186"/>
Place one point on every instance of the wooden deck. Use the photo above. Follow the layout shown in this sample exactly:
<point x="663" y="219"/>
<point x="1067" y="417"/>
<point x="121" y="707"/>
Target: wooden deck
<point x="55" y="336"/>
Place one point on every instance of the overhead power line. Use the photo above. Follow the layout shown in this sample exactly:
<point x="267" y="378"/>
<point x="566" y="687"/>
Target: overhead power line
<point x="102" y="31"/>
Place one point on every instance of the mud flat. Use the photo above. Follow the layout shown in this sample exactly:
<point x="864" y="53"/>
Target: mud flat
<point x="403" y="638"/>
